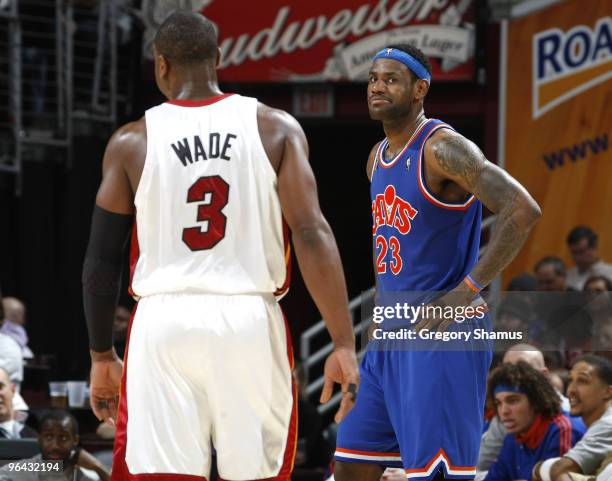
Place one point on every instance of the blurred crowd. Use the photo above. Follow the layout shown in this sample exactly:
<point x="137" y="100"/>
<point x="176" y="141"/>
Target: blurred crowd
<point x="563" y="311"/>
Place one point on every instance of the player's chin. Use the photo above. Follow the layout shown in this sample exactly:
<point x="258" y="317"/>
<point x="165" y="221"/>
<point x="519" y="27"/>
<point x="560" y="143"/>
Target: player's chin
<point x="379" y="113"/>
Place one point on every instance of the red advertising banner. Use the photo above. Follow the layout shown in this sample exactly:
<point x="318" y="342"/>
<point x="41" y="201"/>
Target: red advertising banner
<point x="319" y="40"/>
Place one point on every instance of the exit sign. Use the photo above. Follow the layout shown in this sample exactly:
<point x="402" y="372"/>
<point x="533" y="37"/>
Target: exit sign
<point x="313" y="101"/>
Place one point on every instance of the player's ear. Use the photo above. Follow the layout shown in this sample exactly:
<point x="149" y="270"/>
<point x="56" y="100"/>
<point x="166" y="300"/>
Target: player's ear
<point x="162" y="66"/>
<point x="608" y="396"/>
<point x="422" y="87"/>
<point x="218" y="62"/>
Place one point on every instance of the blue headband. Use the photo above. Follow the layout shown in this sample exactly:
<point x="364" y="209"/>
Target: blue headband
<point x="505" y="388"/>
<point x="408" y="60"/>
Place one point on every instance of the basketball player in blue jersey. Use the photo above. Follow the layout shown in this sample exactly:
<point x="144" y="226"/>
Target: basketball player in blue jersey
<point x="422" y="409"/>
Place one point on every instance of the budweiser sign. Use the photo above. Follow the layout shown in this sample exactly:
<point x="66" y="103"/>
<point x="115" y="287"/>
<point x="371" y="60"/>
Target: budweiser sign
<point x="324" y="40"/>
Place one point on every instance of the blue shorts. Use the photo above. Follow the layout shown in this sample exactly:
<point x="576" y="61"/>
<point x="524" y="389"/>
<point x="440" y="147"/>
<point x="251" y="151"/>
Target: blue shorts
<point x="419" y="409"/>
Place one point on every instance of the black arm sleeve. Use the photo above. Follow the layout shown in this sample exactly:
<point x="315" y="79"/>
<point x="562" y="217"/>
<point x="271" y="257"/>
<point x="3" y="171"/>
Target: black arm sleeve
<point x="102" y="274"/>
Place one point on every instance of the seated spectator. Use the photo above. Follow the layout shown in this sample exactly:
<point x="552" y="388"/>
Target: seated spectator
<point x="530" y="410"/>
<point x="59" y="441"/>
<point x="590" y="394"/>
<point x="598" y="294"/>
<point x="603" y="341"/>
<point x="14" y="324"/>
<point x="582" y="243"/>
<point x="11" y="361"/>
<point x="559" y="378"/>
<point x="598" y="284"/>
<point x="10" y="428"/>
<point x="523" y="282"/>
<point x="534" y="357"/>
<point x="11" y="358"/>
<point x="563" y="321"/>
<point x="551" y="275"/>
<point x="493" y="438"/>
<point x="514" y="314"/>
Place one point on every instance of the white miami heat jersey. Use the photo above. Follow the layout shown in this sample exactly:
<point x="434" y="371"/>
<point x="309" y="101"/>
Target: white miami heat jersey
<point x="208" y="217"/>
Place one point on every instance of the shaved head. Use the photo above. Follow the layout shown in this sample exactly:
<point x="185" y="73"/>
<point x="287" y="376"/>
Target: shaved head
<point x="526" y="353"/>
<point x="187" y="39"/>
<point x="14" y="310"/>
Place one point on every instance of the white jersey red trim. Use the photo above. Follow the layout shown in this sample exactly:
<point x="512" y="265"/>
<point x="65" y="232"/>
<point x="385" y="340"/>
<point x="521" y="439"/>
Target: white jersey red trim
<point x="208" y="217"/>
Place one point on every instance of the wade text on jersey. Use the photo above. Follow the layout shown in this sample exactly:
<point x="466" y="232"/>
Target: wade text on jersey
<point x="217" y="146"/>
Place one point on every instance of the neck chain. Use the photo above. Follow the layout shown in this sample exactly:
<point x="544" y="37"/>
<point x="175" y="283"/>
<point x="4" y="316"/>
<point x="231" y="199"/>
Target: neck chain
<point x="416" y="129"/>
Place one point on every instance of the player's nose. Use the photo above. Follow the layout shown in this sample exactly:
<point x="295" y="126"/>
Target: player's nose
<point x="378" y="86"/>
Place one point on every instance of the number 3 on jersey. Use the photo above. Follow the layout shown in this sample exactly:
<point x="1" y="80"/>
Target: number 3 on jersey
<point x="212" y="193"/>
<point x="395" y="264"/>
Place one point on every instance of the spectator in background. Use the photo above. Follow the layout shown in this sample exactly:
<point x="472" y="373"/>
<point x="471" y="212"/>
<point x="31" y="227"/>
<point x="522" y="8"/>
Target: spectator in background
<point x="582" y="243"/>
<point x="534" y="357"/>
<point x="493" y="438"/>
<point x="10" y="428"/>
<point x="590" y="394"/>
<point x="14" y="324"/>
<point x="11" y="361"/>
<point x="563" y="322"/>
<point x="523" y="282"/>
<point x="515" y="314"/>
<point x="530" y="410"/>
<point x="551" y="275"/>
<point x="59" y="441"/>
<point x="559" y="378"/>
<point x="598" y="294"/>
<point x="603" y="342"/>
<point x="598" y="284"/>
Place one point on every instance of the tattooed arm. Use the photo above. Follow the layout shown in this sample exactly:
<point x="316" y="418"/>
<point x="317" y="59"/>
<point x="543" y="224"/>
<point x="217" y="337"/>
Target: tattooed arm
<point x="450" y="156"/>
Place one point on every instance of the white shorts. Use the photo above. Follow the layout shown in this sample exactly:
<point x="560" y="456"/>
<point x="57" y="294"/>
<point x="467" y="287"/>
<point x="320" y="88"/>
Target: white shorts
<point x="204" y="371"/>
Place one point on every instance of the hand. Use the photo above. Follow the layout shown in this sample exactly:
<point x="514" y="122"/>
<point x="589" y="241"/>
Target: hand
<point x="106" y="373"/>
<point x="393" y="474"/>
<point x="460" y="296"/>
<point x="341" y="367"/>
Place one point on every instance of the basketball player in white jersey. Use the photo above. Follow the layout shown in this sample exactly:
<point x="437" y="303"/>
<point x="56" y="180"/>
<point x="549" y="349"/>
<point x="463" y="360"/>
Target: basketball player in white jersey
<point x="209" y="178"/>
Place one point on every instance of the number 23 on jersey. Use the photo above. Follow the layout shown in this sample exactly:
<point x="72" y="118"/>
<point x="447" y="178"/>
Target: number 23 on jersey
<point x="392" y="247"/>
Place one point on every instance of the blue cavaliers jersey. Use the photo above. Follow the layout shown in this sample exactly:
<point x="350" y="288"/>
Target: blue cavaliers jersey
<point x="421" y="243"/>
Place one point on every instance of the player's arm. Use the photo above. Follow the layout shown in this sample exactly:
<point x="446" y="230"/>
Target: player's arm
<point x="111" y="223"/>
<point x="455" y="158"/>
<point x="318" y="258"/>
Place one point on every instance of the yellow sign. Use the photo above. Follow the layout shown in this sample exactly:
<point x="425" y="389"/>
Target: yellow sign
<point x="558" y="123"/>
